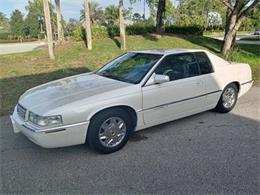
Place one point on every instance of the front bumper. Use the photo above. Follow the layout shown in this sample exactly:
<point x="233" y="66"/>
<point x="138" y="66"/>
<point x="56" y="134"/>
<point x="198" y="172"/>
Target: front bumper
<point x="62" y="136"/>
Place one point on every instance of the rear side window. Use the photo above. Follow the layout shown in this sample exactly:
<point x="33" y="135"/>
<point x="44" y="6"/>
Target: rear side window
<point x="204" y="63"/>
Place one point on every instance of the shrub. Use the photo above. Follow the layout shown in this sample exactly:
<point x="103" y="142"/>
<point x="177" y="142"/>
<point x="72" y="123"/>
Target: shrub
<point x="138" y="29"/>
<point x="113" y="31"/>
<point x="4" y="35"/>
<point x="77" y="34"/>
<point x="97" y="31"/>
<point x="194" y="30"/>
<point x="100" y="32"/>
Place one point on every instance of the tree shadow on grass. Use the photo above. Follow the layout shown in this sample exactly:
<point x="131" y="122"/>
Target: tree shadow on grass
<point x="12" y="88"/>
<point x="249" y="49"/>
<point x="211" y="44"/>
<point x="116" y="41"/>
<point x="151" y="37"/>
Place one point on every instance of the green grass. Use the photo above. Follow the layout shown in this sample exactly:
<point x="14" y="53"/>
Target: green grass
<point x="19" y="72"/>
<point x="255" y="38"/>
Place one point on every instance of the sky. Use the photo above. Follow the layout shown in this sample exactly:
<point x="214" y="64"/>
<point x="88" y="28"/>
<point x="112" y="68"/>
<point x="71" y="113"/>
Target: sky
<point x="70" y="8"/>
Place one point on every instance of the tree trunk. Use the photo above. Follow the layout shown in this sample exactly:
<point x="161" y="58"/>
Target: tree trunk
<point x="160" y="16"/>
<point x="230" y="33"/>
<point x="48" y="28"/>
<point x="59" y="22"/>
<point x="227" y="42"/>
<point x="122" y="25"/>
<point x="237" y="10"/>
<point x="234" y="41"/>
<point x="88" y="24"/>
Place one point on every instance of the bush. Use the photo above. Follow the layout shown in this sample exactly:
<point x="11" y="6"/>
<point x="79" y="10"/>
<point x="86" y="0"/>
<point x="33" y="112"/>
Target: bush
<point x="138" y="29"/>
<point x="100" y="32"/>
<point x="4" y="35"/>
<point x="78" y="34"/>
<point x="113" y="31"/>
<point x="193" y="30"/>
<point x="97" y="31"/>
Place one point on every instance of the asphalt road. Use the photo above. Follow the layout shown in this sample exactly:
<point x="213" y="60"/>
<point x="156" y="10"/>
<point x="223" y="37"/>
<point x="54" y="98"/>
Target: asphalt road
<point x="238" y="37"/>
<point x="208" y="153"/>
<point x="9" y="48"/>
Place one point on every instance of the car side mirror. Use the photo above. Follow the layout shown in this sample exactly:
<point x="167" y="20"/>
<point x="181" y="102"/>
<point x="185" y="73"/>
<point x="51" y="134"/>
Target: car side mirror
<point x="157" y="79"/>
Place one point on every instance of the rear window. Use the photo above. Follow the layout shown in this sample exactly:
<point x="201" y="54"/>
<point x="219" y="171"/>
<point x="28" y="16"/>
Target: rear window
<point x="204" y="63"/>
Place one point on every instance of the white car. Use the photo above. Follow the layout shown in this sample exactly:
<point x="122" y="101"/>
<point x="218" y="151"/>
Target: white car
<point x="137" y="90"/>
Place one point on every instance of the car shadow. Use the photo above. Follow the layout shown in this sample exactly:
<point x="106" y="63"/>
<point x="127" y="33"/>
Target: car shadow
<point x="207" y="147"/>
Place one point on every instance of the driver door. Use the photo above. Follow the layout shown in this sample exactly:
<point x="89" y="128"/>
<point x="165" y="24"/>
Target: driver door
<point x="181" y="96"/>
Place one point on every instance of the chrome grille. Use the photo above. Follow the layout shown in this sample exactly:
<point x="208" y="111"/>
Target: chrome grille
<point x="21" y="111"/>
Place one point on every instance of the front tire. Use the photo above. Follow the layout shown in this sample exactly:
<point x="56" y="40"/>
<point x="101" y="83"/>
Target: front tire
<point x="109" y="130"/>
<point x="227" y="99"/>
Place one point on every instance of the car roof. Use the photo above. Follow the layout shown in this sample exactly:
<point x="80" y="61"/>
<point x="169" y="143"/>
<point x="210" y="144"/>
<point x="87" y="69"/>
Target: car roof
<point x="168" y="51"/>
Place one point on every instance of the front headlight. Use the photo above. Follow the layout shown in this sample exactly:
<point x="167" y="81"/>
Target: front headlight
<point x="44" y="121"/>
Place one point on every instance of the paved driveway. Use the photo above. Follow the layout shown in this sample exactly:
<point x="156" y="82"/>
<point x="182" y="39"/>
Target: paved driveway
<point x="238" y="37"/>
<point x="207" y="153"/>
<point x="10" y="48"/>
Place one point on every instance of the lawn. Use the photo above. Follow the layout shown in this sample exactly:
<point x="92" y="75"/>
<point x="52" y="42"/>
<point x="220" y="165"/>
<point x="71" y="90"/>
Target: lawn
<point x="19" y="72"/>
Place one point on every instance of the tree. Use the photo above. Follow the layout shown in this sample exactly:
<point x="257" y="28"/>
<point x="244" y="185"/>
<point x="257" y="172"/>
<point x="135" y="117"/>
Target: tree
<point x="196" y="12"/>
<point x="35" y="24"/>
<point x="59" y="22"/>
<point x="111" y="14"/>
<point x="17" y="23"/>
<point x="122" y="25"/>
<point x="88" y="24"/>
<point x="237" y="11"/>
<point x="153" y="5"/>
<point x="169" y="12"/>
<point x="137" y="18"/>
<point x="71" y="25"/>
<point x="214" y="20"/>
<point x="48" y="28"/>
<point x="4" y="22"/>
<point x="96" y="13"/>
<point x="160" y="16"/>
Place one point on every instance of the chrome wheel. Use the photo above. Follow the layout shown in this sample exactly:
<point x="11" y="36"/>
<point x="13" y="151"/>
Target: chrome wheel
<point x="229" y="97"/>
<point x="112" y="132"/>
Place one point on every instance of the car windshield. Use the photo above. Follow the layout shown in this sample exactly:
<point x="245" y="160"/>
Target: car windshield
<point x="130" y="67"/>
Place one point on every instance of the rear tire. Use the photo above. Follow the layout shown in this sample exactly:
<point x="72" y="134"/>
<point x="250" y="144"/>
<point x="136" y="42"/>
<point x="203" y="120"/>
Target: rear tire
<point x="109" y="130"/>
<point x="228" y="99"/>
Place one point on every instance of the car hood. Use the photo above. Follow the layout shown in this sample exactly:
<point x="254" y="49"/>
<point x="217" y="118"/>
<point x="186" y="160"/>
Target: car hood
<point x="68" y="90"/>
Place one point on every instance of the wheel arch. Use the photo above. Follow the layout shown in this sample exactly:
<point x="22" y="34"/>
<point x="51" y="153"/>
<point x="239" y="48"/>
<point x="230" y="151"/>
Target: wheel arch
<point x="236" y="83"/>
<point x="130" y="110"/>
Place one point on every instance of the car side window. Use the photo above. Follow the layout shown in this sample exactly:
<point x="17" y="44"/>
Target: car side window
<point x="178" y="66"/>
<point x="204" y="63"/>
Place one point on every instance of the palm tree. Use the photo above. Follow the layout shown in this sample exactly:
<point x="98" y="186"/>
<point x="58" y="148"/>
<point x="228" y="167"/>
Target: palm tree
<point x="122" y="24"/>
<point x="48" y="28"/>
<point x="87" y="24"/>
<point x="96" y="13"/>
<point x="59" y="22"/>
<point x="111" y="14"/>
